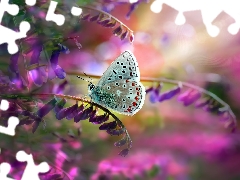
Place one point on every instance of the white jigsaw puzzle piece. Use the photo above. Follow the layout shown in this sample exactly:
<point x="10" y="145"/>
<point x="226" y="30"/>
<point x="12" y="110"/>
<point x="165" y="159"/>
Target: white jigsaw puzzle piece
<point x="10" y="130"/>
<point x="31" y="2"/>
<point x="7" y="35"/>
<point x="31" y="171"/>
<point x="12" y="121"/>
<point x="12" y="9"/>
<point x="76" y="11"/>
<point x="51" y="16"/>
<point x="4" y="170"/>
<point x="209" y="10"/>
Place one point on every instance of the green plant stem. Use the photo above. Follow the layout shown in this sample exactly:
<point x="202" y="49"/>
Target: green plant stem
<point x="107" y="14"/>
<point x="176" y="82"/>
<point x="119" y="122"/>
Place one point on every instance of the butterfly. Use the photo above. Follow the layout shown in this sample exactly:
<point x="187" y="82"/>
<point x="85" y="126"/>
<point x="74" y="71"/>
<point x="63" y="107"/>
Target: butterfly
<point x="120" y="88"/>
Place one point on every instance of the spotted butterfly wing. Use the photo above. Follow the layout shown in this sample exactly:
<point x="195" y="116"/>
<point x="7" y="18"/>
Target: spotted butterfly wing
<point x="124" y="67"/>
<point x="128" y="96"/>
<point x="119" y="88"/>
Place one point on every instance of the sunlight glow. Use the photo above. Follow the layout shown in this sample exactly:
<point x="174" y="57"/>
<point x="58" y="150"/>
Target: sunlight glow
<point x="209" y="10"/>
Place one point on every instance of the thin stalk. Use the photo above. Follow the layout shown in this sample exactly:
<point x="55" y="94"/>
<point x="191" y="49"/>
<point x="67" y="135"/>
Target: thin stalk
<point x="119" y="122"/>
<point x="171" y="81"/>
<point x="107" y="14"/>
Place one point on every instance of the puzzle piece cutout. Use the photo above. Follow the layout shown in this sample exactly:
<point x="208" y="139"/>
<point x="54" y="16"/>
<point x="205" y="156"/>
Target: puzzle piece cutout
<point x="209" y="10"/>
<point x="30" y="2"/>
<point x="7" y="35"/>
<point x="4" y="170"/>
<point x="51" y="16"/>
<point x="31" y="170"/>
<point x="12" y="121"/>
<point x="76" y="11"/>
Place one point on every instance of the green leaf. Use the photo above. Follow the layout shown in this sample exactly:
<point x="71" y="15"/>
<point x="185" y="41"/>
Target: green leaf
<point x="153" y="172"/>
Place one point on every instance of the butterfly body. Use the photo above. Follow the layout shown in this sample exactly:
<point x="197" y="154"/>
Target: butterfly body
<point x="119" y="88"/>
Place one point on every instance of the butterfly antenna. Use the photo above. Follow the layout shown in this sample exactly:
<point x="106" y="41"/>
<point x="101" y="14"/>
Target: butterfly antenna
<point x="87" y="76"/>
<point x="83" y="79"/>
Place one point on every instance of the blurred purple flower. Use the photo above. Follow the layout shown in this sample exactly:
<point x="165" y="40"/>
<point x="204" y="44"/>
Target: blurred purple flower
<point x="134" y="6"/>
<point x="169" y="94"/>
<point x="124" y="35"/>
<point x="83" y="115"/>
<point x="66" y="111"/>
<point x="94" y="18"/>
<point x="55" y="69"/>
<point x="44" y="110"/>
<point x="141" y="165"/>
<point x="202" y="102"/>
<point x="116" y="132"/>
<point x="14" y="71"/>
<point x="36" y="74"/>
<point x="59" y="106"/>
<point x="99" y="119"/>
<point x="154" y="93"/>
<point x="189" y="97"/>
<point x="117" y="31"/>
<point x="75" y="112"/>
<point x="110" y="125"/>
<point x="59" y="88"/>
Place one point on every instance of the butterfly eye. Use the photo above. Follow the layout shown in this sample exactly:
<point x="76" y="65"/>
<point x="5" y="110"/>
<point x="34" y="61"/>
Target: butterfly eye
<point x="91" y="86"/>
<point x="108" y="88"/>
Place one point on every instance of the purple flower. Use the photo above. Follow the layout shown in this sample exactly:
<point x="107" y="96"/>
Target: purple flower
<point x="169" y="94"/>
<point x="55" y="69"/>
<point x="94" y="18"/>
<point x="66" y="111"/>
<point x="26" y="121"/>
<point x="43" y="111"/>
<point x="59" y="88"/>
<point x="36" y="73"/>
<point x="121" y="142"/>
<point x="36" y="124"/>
<point x="75" y="112"/>
<point x="59" y="106"/>
<point x="111" y="24"/>
<point x="110" y="125"/>
<point x="115" y="131"/>
<point x="154" y="95"/>
<point x="99" y="119"/>
<point x="124" y="35"/>
<point x="189" y="97"/>
<point x="133" y="6"/>
<point x="202" y="102"/>
<point x="14" y="71"/>
<point x="117" y="31"/>
<point x="85" y="17"/>
<point x="124" y="152"/>
<point x="83" y="115"/>
<point x="131" y="38"/>
<point x="149" y="90"/>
